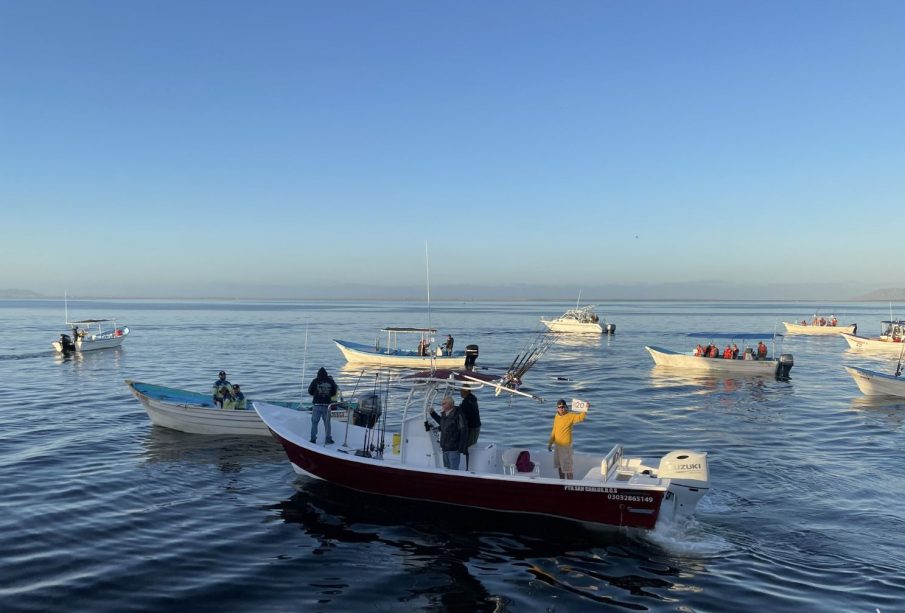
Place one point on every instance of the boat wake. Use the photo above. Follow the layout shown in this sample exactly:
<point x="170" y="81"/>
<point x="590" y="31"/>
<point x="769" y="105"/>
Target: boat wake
<point x="27" y="356"/>
<point x="688" y="538"/>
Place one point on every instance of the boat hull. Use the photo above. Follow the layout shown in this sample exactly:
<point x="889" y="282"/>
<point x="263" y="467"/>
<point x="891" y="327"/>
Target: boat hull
<point x="796" y="329"/>
<point x="556" y="325"/>
<point x="356" y="353"/>
<point x="589" y="501"/>
<point x="196" y="413"/>
<point x="873" y="345"/>
<point x="873" y="383"/>
<point x="686" y="361"/>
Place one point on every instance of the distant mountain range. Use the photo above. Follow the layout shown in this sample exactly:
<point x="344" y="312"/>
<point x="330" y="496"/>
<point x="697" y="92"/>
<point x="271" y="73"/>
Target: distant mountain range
<point x="19" y="293"/>
<point x="894" y="294"/>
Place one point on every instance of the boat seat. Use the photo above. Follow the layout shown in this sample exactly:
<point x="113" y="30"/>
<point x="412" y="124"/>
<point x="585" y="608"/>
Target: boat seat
<point x="510" y="457"/>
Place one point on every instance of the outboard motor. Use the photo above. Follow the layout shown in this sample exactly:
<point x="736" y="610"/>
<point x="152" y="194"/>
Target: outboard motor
<point x="471" y="356"/>
<point x="368" y="411"/>
<point x="66" y="343"/>
<point x="785" y="365"/>
<point x="689" y="477"/>
<point x="610" y="329"/>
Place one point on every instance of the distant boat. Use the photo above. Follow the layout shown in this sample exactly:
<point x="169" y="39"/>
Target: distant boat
<point x="582" y="320"/>
<point x="196" y="413"/>
<point x="688" y="361"/>
<point x="889" y="342"/>
<point x="420" y="355"/>
<point x="819" y="326"/>
<point x="91" y="334"/>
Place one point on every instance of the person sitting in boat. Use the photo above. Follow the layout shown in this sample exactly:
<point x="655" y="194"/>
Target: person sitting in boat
<point x="714" y="351"/>
<point x="222" y="389"/>
<point x="833" y="321"/>
<point x="237" y="400"/>
<point x="453" y="432"/>
<point x="761" y="350"/>
<point x="734" y="351"/>
<point x="804" y="322"/>
<point x="727" y="352"/>
<point x="749" y="354"/>
<point x="423" y="344"/>
<point x="699" y="351"/>
<point x="449" y="344"/>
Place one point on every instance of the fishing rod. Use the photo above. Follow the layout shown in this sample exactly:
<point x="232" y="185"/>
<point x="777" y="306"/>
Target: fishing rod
<point x="304" y="364"/>
<point x="899" y="365"/>
<point x="499" y="387"/>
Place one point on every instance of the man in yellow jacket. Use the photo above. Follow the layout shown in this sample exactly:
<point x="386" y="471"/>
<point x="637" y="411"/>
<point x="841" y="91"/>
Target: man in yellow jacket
<point x="561" y="437"/>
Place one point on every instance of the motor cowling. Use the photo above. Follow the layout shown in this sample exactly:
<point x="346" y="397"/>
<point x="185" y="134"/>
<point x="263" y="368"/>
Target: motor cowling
<point x="684" y="467"/>
<point x="786" y="362"/>
<point x="471" y="356"/>
<point x="66" y="343"/>
<point x="610" y="329"/>
<point x="368" y="410"/>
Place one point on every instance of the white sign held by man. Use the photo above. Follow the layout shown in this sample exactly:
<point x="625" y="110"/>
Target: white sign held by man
<point x="580" y="406"/>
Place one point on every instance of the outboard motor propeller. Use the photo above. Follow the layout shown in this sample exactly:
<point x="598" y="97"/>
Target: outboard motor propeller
<point x="785" y="365"/>
<point x="610" y="329"/>
<point x="471" y="356"/>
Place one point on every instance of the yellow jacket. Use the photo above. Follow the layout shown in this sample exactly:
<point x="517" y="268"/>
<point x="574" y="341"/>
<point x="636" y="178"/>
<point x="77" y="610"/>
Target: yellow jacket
<point x="562" y="428"/>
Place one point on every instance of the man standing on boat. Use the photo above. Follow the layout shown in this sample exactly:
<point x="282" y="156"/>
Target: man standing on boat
<point x="449" y="344"/>
<point x="561" y="438"/>
<point x="221" y="389"/>
<point x="453" y="432"/>
<point x="322" y="389"/>
<point x="469" y="408"/>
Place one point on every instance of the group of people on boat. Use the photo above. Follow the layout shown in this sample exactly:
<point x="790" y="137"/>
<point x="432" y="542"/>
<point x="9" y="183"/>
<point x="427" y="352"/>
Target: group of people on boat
<point x="821" y="321"/>
<point x="731" y="352"/>
<point x="445" y="349"/>
<point x="460" y="427"/>
<point x="227" y="395"/>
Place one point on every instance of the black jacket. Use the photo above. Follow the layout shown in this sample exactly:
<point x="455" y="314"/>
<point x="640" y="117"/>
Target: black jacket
<point x="322" y="388"/>
<point x="453" y="430"/>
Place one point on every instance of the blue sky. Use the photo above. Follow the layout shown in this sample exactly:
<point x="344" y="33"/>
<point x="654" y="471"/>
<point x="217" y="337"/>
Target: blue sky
<point x="281" y="149"/>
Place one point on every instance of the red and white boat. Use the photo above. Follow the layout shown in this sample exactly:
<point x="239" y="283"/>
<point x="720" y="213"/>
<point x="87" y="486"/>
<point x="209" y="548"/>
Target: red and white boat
<point x="399" y="455"/>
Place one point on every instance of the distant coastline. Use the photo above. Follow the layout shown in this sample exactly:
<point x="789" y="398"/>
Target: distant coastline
<point x="473" y="294"/>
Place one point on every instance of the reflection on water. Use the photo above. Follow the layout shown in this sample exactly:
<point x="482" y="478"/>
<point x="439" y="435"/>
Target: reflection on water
<point x="449" y="556"/>
<point x="90" y="360"/>
<point x="230" y="453"/>
<point x="889" y="410"/>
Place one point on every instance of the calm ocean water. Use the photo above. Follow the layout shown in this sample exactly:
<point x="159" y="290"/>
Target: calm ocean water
<point x="99" y="510"/>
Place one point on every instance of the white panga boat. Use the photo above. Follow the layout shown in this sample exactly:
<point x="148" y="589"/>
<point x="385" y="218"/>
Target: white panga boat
<point x="890" y="341"/>
<point x="91" y="334"/>
<point x="196" y="413"/>
<point x="778" y="368"/>
<point x="421" y="355"/>
<point x="401" y="458"/>
<point x="580" y="320"/>
<point x="819" y="326"/>
<point x="874" y="383"/>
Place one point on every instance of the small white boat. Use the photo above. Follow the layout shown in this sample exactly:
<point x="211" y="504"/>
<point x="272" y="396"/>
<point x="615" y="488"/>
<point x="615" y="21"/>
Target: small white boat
<point x="889" y="342"/>
<point x="818" y="328"/>
<point x="196" y="413"/>
<point x="401" y="458"/>
<point x="582" y="320"/>
<point x="420" y="355"/>
<point x="873" y="383"/>
<point x="91" y="334"/>
<point x="778" y="368"/>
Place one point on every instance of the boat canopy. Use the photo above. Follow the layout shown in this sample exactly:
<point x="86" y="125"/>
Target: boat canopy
<point x="415" y="330"/>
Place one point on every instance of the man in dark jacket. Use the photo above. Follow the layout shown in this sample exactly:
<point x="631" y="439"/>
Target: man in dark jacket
<point x="322" y="389"/>
<point x="469" y="408"/>
<point x="453" y="432"/>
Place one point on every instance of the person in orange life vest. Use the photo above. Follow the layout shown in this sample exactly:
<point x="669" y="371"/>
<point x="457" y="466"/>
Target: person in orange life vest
<point x="714" y="352"/>
<point x="561" y="438"/>
<point x="699" y="351"/>
<point x="727" y="352"/>
<point x="734" y="351"/>
<point x="761" y="350"/>
<point x="834" y="321"/>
